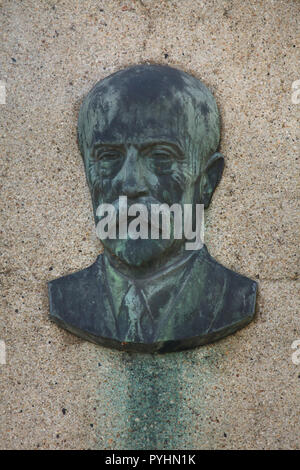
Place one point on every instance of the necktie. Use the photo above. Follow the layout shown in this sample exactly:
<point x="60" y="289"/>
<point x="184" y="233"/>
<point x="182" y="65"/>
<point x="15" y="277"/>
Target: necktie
<point x="135" y="317"/>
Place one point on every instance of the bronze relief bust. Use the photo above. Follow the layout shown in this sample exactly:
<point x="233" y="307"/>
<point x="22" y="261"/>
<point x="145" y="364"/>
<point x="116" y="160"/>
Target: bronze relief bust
<point x="151" y="133"/>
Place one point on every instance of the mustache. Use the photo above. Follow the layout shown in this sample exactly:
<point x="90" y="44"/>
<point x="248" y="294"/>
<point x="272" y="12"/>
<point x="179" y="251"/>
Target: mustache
<point x="122" y="212"/>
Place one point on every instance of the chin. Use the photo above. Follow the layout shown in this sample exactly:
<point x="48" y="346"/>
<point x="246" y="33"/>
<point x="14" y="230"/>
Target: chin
<point x="139" y="252"/>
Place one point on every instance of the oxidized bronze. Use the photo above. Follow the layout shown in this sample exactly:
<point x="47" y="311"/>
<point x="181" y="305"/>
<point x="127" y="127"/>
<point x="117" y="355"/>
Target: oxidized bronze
<point x="151" y="133"/>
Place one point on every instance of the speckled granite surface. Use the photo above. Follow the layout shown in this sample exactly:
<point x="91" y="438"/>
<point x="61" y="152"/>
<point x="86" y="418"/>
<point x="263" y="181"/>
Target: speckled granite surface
<point x="60" y="392"/>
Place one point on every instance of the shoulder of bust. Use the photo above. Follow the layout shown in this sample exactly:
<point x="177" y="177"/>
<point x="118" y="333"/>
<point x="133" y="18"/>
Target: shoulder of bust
<point x="75" y="293"/>
<point x="234" y="293"/>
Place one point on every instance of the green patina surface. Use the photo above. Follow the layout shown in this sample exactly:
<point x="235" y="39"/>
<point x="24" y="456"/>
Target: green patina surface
<point x="151" y="133"/>
<point x="154" y="402"/>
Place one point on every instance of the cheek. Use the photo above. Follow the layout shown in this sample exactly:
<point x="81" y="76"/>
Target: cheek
<point x="106" y="187"/>
<point x="104" y="190"/>
<point x="171" y="189"/>
<point x="166" y="188"/>
<point x="96" y="195"/>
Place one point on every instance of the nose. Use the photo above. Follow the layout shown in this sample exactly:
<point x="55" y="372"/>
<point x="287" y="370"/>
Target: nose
<point x="131" y="178"/>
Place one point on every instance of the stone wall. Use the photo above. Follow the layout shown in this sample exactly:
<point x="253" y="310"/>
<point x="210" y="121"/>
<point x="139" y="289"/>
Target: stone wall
<point x="60" y="392"/>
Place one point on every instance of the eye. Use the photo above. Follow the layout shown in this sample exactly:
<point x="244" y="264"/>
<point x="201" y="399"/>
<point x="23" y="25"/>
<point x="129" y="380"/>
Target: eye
<point x="108" y="161"/>
<point x="160" y="155"/>
<point x="108" y="156"/>
<point x="160" y="161"/>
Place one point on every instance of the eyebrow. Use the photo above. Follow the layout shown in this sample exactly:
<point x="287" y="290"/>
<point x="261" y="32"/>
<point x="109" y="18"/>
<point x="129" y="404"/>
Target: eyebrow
<point x="174" y="145"/>
<point x="166" y="143"/>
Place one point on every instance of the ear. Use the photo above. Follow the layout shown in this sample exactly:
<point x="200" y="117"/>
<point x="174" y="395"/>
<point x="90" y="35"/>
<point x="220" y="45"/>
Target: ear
<point x="211" y="177"/>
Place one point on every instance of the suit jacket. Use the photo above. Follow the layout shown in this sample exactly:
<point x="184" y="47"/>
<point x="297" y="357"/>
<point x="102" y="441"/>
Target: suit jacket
<point x="193" y="302"/>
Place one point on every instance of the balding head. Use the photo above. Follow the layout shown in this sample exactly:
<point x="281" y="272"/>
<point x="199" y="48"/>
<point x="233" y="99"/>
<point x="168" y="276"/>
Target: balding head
<point x="150" y="102"/>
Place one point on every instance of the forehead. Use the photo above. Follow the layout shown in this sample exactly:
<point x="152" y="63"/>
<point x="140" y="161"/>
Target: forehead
<point x="127" y="119"/>
<point x="145" y="103"/>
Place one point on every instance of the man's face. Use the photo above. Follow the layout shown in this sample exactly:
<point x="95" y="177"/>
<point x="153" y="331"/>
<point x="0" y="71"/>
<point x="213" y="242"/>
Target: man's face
<point x="139" y="155"/>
